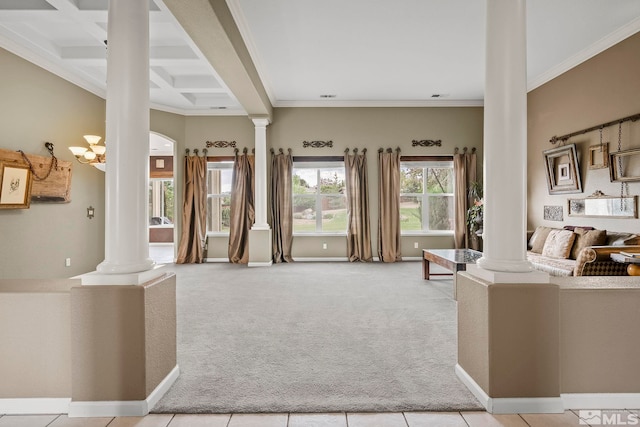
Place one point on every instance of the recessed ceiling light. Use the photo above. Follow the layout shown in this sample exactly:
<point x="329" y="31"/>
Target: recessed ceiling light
<point x="328" y="96"/>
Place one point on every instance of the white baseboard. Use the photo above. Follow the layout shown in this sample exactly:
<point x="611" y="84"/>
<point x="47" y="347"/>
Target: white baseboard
<point x="260" y="264"/>
<point x="162" y="388"/>
<point x="473" y="386"/>
<point x="526" y="405"/>
<point x="124" y="408"/>
<point x="510" y="405"/>
<point x="35" y="405"/>
<point x="601" y="400"/>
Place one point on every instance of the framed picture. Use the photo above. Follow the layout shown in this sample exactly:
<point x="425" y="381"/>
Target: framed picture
<point x="599" y="156"/>
<point x="15" y="186"/>
<point x="563" y="173"/>
<point x="624" y="166"/>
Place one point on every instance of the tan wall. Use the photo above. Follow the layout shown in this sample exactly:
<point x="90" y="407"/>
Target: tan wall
<point x="36" y="337"/>
<point x="575" y="335"/>
<point x="599" y="349"/>
<point x="370" y="128"/>
<point x="37" y="106"/>
<point x="123" y="339"/>
<point x="508" y="337"/>
<point x="374" y="128"/>
<point x="602" y="89"/>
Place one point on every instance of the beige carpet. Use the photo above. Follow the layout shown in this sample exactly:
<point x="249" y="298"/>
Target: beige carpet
<point x="314" y="337"/>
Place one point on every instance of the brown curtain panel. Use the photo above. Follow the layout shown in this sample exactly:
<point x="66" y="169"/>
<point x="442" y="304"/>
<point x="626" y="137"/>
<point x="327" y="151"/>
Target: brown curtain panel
<point x="242" y="208"/>
<point x="358" y="225"/>
<point x="281" y="206"/>
<point x="193" y="239"/>
<point x="464" y="169"/>
<point x="389" y="206"/>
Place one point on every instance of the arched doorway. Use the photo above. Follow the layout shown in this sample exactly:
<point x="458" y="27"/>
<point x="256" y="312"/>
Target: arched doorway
<point x="162" y="208"/>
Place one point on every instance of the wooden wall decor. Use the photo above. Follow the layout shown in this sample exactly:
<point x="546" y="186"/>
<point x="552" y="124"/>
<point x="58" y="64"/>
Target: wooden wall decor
<point x="56" y="188"/>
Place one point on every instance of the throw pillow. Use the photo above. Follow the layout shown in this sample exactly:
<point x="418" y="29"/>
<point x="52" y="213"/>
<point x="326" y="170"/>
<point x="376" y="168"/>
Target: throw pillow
<point x="558" y="244"/>
<point x="587" y="237"/>
<point x="536" y="242"/>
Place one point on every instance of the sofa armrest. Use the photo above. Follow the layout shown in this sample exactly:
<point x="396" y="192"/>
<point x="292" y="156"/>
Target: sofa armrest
<point x="596" y="261"/>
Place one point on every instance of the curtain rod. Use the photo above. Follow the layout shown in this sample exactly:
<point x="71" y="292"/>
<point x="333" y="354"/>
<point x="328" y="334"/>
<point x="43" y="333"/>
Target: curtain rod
<point x="355" y="151"/>
<point x="279" y="150"/>
<point x="389" y="150"/>
<point x="195" y="152"/>
<point x="464" y="150"/>
<point x="564" y="138"/>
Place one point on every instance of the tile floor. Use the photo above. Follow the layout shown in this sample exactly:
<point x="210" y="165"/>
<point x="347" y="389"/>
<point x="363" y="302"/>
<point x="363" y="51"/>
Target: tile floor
<point x="392" y="419"/>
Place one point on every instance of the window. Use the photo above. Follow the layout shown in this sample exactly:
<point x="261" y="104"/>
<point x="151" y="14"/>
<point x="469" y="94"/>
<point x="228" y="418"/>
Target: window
<point x="219" y="175"/>
<point x="426" y="196"/>
<point x="161" y="201"/>
<point x="319" y="197"/>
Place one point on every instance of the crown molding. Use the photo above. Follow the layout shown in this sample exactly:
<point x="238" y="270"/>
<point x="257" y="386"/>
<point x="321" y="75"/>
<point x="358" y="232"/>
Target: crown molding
<point x="383" y="103"/>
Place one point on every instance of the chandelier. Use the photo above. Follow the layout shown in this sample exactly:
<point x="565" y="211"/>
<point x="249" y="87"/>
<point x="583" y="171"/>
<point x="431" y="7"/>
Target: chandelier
<point x="95" y="155"/>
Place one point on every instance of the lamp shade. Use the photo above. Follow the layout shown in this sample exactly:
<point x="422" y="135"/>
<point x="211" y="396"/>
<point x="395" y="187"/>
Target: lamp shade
<point x="99" y="149"/>
<point x="78" y="151"/>
<point x="92" y="139"/>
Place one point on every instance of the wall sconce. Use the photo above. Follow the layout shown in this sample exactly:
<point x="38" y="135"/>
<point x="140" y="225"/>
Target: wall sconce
<point x="95" y="155"/>
<point x="91" y="212"/>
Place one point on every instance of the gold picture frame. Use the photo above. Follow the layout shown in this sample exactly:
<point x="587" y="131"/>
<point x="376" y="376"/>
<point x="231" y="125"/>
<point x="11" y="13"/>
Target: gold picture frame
<point x="563" y="172"/>
<point x="599" y="156"/>
<point x="15" y="186"/>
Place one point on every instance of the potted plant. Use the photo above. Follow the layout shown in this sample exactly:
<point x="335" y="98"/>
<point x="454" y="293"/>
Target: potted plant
<point x="474" y="213"/>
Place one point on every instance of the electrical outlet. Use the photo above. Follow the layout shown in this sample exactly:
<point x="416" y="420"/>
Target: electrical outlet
<point x="324" y="246"/>
<point x="67" y="262"/>
<point x="415" y="245"/>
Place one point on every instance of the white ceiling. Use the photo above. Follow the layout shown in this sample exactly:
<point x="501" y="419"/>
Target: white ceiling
<point x="365" y="52"/>
<point x="401" y="52"/>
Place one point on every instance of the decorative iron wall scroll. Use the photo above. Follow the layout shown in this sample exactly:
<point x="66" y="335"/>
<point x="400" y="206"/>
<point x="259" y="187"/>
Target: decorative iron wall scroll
<point x="317" y="144"/>
<point x="221" y="144"/>
<point x="426" y="143"/>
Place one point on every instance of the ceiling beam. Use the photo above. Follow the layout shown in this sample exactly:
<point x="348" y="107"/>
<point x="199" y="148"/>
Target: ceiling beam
<point x="210" y="25"/>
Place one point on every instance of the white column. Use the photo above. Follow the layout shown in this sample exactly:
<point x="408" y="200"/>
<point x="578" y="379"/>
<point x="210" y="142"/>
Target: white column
<point x="505" y="140"/>
<point x="260" y="196"/>
<point x="127" y="138"/>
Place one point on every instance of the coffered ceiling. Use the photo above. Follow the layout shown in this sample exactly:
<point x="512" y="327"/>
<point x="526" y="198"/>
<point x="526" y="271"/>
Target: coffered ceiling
<point x="310" y="52"/>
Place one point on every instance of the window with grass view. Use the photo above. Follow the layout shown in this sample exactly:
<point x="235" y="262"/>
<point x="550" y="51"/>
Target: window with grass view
<point x="426" y="196"/>
<point x="161" y="197"/>
<point x="219" y="176"/>
<point x="319" y="197"/>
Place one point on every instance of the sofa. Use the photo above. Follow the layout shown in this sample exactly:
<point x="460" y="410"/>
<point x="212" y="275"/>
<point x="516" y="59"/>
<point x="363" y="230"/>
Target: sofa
<point x="579" y="251"/>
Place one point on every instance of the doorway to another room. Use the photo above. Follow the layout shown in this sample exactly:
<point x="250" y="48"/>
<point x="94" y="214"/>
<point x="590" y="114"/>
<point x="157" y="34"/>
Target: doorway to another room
<point x="161" y="199"/>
